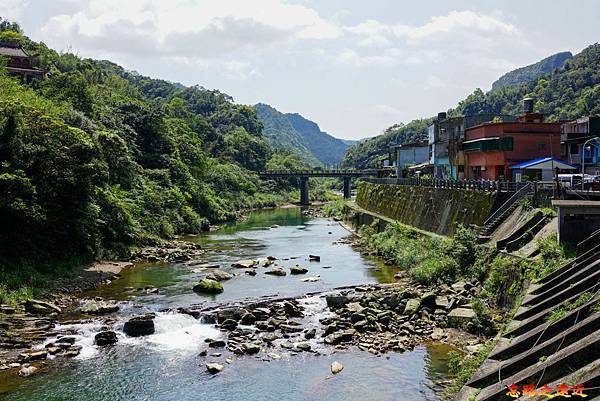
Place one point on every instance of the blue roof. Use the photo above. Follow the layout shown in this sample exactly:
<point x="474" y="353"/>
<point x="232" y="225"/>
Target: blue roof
<point x="537" y="162"/>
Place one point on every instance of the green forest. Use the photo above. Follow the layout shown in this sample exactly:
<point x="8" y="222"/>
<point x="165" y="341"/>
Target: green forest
<point x="96" y="160"/>
<point x="293" y="132"/>
<point x="565" y="93"/>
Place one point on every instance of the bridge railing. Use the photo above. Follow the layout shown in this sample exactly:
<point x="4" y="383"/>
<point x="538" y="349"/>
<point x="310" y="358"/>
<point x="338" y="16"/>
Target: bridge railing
<point x="474" y="185"/>
<point x="315" y="171"/>
<point x="318" y="173"/>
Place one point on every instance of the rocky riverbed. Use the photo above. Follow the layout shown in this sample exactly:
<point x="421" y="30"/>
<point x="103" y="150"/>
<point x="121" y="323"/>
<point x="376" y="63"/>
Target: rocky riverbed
<point x="25" y="326"/>
<point x="373" y="318"/>
<point x="376" y="318"/>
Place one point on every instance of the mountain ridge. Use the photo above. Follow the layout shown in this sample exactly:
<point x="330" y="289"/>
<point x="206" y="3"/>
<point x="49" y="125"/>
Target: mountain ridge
<point x="292" y="131"/>
<point x="533" y="71"/>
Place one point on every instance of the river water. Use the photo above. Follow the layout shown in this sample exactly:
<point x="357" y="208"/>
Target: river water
<point x="166" y="365"/>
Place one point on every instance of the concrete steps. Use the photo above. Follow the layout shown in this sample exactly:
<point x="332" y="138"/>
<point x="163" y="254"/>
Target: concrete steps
<point x="534" y="350"/>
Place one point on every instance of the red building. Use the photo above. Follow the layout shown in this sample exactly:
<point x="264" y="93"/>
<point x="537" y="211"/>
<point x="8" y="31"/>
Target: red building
<point x="19" y="62"/>
<point x="491" y="148"/>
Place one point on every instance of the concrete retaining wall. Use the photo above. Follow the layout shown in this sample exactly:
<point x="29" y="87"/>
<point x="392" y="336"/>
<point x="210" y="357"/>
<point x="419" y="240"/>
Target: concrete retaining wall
<point x="438" y="210"/>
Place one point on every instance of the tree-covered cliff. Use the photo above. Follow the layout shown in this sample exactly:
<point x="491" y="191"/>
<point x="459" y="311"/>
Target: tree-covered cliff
<point x="95" y="159"/>
<point x="293" y="132"/>
<point x="568" y="92"/>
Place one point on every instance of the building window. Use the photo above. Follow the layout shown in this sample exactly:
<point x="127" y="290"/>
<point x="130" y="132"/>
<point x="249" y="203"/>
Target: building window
<point x="574" y="148"/>
<point x="541" y="146"/>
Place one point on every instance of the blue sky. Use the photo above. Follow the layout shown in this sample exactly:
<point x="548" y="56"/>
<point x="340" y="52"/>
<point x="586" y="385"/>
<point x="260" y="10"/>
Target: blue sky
<point x="354" y="67"/>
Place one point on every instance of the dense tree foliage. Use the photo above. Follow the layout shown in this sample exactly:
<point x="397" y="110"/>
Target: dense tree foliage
<point x="370" y="152"/>
<point x="291" y="131"/>
<point x="95" y="159"/>
<point x="565" y="93"/>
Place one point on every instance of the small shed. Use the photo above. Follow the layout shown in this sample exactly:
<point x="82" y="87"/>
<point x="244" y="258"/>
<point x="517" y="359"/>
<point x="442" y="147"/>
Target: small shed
<point x="577" y="220"/>
<point x="542" y="168"/>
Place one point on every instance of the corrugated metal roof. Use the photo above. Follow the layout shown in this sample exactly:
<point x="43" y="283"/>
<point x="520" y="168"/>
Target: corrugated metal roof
<point x="544" y="163"/>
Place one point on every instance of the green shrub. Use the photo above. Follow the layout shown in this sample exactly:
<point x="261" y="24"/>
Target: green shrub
<point x="434" y="269"/>
<point x="551" y="256"/>
<point x="484" y="323"/>
<point x="462" y="366"/>
<point x="335" y="209"/>
<point x="505" y="280"/>
<point x="427" y="260"/>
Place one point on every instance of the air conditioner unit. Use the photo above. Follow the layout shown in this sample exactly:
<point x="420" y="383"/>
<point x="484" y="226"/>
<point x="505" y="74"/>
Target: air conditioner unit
<point x="483" y="168"/>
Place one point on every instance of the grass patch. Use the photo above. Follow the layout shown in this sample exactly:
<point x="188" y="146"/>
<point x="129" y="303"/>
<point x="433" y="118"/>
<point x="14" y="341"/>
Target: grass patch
<point x="20" y="280"/>
<point x="568" y="307"/>
<point x="428" y="260"/>
<point x="462" y="366"/>
<point x="551" y="256"/>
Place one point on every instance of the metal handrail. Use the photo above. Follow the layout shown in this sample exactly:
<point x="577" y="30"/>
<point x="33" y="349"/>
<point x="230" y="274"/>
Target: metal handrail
<point x="479" y="185"/>
<point x="506" y="205"/>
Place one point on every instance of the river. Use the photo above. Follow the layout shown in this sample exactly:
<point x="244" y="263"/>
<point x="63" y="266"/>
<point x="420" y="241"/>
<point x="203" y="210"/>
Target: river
<point x="167" y="364"/>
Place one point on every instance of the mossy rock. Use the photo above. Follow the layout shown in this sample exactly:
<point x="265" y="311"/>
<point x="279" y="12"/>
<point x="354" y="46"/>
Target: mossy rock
<point x="208" y="286"/>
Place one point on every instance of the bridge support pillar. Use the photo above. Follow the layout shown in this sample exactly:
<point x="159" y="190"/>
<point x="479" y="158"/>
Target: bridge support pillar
<point x="304" y="191"/>
<point x="346" y="187"/>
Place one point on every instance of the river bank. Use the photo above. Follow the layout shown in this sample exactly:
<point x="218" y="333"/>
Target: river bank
<point x="25" y="325"/>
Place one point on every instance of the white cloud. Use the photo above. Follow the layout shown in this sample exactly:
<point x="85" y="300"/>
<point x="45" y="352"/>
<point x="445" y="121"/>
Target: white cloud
<point x="385" y="109"/>
<point x="185" y="28"/>
<point x="435" y="82"/>
<point x="386" y="57"/>
<point x="12" y="10"/>
<point x="376" y="33"/>
<point x="453" y="21"/>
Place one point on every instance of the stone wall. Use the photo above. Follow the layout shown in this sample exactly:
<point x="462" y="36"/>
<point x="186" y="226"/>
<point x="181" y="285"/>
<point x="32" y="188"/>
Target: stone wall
<point x="438" y="210"/>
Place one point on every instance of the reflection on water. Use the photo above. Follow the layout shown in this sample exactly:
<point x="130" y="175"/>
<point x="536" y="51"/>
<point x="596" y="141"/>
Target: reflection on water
<point x="254" y="238"/>
<point x="166" y="365"/>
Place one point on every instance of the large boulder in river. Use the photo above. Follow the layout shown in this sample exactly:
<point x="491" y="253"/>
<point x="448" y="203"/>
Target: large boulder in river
<point x="105" y="338"/>
<point x="40" y="307"/>
<point x="219" y="275"/>
<point x="214" y="368"/>
<point x="278" y="271"/>
<point x="245" y="263"/>
<point x="208" y="286"/>
<point x="139" y="326"/>
<point x="99" y="307"/>
<point x="336" y="301"/>
<point x="298" y="270"/>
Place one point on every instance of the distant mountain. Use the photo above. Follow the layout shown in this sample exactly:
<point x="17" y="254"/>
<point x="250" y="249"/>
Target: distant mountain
<point x="532" y="72"/>
<point x="351" y="142"/>
<point x="293" y="132"/>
